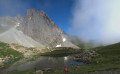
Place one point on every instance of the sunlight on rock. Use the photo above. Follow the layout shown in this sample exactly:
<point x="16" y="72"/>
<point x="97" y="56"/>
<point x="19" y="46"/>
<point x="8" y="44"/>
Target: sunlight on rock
<point x="58" y="45"/>
<point x="65" y="58"/>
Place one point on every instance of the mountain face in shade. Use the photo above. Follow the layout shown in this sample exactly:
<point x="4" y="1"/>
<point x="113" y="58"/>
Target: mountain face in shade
<point x="36" y="29"/>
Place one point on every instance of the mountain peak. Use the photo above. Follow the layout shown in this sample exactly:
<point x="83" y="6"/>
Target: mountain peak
<point x="34" y="12"/>
<point x="36" y="28"/>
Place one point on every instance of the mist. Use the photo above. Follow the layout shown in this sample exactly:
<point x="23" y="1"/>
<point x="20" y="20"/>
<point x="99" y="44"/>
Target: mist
<point x="14" y="7"/>
<point x="97" y="20"/>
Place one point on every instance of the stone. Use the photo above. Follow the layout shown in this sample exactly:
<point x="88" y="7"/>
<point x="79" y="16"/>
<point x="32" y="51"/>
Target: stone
<point x="39" y="72"/>
<point x="36" y="29"/>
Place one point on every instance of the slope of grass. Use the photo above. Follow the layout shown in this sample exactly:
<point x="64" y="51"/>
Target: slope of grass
<point x="108" y="59"/>
<point x="23" y="72"/>
<point x="8" y="54"/>
<point x="108" y="54"/>
<point x="5" y="50"/>
<point x="61" y="51"/>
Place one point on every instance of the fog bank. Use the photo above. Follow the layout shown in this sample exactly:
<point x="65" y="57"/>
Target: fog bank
<point x="97" y="20"/>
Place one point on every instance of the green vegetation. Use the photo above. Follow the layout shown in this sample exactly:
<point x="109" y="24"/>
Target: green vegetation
<point x="108" y="54"/>
<point x="22" y="72"/>
<point x="108" y="59"/>
<point x="8" y="55"/>
<point x="61" y="51"/>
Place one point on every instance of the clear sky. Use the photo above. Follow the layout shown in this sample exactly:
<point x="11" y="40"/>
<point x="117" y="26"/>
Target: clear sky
<point x="89" y="19"/>
<point x="58" y="10"/>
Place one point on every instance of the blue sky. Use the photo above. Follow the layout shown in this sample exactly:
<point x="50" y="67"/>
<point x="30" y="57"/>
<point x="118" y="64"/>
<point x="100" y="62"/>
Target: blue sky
<point x="60" y="11"/>
<point x="88" y="19"/>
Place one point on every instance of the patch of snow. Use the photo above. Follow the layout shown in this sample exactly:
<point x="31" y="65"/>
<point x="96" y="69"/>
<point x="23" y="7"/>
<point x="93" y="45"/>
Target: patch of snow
<point x="64" y="39"/>
<point x="18" y="24"/>
<point x="58" y="45"/>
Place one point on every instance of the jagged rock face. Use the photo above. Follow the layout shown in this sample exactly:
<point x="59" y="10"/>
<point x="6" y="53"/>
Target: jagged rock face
<point x="36" y="29"/>
<point x="41" y="28"/>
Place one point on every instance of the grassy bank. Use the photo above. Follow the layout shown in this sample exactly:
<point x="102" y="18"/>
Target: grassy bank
<point x="8" y="55"/>
<point x="23" y="72"/>
<point x="108" y="59"/>
<point x="61" y="51"/>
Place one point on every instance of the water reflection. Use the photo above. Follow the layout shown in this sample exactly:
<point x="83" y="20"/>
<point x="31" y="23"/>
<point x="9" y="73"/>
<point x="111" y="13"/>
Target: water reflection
<point x="42" y="62"/>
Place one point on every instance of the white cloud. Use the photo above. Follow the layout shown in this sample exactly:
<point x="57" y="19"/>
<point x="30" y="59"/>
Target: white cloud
<point x="97" y="19"/>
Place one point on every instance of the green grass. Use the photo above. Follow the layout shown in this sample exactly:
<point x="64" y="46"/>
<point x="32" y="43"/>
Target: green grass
<point x="108" y="59"/>
<point x="109" y="53"/>
<point x="5" y="50"/>
<point x="9" y="53"/>
<point x="61" y="51"/>
<point x="22" y="72"/>
<point x="1" y="64"/>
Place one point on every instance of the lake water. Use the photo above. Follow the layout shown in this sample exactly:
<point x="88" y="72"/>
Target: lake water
<point x="42" y="63"/>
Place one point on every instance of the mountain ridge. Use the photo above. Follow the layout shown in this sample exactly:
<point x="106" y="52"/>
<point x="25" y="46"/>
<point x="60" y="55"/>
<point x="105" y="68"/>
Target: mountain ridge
<point x="37" y="28"/>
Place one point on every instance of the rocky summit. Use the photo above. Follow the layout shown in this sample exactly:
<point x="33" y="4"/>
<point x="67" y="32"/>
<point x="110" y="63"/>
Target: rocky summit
<point x="36" y="29"/>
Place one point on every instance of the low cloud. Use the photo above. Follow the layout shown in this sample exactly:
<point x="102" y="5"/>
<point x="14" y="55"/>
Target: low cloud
<point x="97" y="20"/>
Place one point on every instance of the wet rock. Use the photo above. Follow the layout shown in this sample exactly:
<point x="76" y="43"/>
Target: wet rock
<point x="86" y="56"/>
<point x="1" y="60"/>
<point x="39" y="72"/>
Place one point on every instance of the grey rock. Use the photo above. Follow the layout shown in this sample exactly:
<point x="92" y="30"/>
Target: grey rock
<point x="42" y="29"/>
<point x="36" y="27"/>
<point x="39" y="72"/>
<point x="86" y="56"/>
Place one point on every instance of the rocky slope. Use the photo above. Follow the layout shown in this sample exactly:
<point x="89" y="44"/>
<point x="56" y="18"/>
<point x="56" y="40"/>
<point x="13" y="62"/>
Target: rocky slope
<point x="17" y="37"/>
<point x="36" y="29"/>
